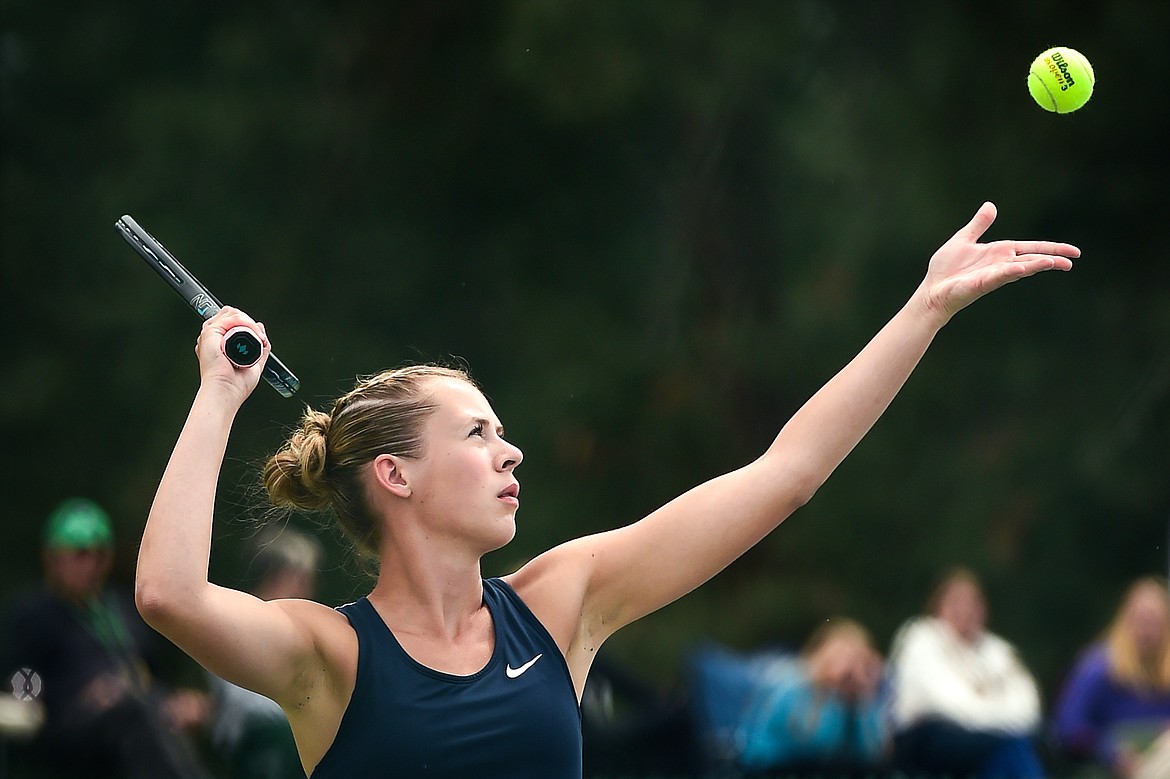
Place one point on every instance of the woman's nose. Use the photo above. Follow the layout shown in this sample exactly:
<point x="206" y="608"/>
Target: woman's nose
<point x="512" y="457"/>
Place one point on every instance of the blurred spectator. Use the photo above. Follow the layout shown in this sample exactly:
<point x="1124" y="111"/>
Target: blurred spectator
<point x="80" y="649"/>
<point x="1116" y="702"/>
<point x="251" y="731"/>
<point x="723" y="683"/>
<point x="963" y="703"/>
<point x="819" y="712"/>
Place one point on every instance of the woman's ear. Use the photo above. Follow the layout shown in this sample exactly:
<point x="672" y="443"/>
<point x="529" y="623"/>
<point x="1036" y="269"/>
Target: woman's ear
<point x="389" y="475"/>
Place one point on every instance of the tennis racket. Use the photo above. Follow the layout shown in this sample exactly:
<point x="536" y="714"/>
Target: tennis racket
<point x="240" y="344"/>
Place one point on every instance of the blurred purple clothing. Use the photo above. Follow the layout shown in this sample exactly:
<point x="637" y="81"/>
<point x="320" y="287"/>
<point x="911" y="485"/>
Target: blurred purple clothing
<point x="1094" y="705"/>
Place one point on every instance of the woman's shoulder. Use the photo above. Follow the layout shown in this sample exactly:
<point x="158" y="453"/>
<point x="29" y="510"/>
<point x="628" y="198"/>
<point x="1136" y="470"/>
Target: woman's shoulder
<point x="552" y="585"/>
<point x="915" y="632"/>
<point x="1093" y="660"/>
<point x="330" y="628"/>
<point x="996" y="646"/>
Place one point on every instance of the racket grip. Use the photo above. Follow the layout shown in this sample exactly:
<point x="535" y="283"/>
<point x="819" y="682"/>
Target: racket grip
<point x="242" y="346"/>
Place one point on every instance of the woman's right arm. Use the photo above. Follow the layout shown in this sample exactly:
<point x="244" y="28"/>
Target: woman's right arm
<point x="269" y="647"/>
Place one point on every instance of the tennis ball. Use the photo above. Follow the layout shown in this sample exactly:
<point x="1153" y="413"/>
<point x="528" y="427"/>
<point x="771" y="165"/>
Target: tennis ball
<point x="1061" y="80"/>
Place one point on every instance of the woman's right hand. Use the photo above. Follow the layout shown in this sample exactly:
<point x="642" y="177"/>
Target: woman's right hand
<point x="216" y="371"/>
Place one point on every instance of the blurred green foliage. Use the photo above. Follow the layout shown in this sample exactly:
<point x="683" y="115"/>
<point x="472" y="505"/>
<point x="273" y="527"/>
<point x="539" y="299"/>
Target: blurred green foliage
<point x="652" y="230"/>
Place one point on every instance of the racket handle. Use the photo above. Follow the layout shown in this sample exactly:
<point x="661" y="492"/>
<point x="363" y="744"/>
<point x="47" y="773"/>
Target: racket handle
<point x="242" y="346"/>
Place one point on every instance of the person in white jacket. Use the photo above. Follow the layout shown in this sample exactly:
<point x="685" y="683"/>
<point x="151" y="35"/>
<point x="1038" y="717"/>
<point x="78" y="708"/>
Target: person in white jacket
<point x="963" y="703"/>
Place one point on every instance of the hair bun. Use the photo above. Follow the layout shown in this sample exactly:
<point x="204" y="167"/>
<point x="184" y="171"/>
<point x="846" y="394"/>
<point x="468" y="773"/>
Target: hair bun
<point x="295" y="475"/>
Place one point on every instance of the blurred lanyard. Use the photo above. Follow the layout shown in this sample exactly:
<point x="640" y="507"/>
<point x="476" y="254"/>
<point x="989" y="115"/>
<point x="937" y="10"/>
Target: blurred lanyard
<point x="106" y="625"/>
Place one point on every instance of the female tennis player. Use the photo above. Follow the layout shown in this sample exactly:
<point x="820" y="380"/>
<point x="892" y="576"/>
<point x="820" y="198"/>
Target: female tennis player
<point x="438" y="672"/>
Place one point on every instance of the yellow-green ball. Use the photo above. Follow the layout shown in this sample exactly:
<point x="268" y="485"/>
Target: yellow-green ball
<point x="1061" y="80"/>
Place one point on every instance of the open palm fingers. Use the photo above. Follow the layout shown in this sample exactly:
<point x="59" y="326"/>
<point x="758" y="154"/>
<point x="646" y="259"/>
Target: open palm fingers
<point x="1023" y="259"/>
<point x="1061" y="254"/>
<point x="1008" y="262"/>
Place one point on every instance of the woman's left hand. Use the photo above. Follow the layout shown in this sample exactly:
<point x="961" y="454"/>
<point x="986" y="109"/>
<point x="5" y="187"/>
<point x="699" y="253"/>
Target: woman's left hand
<point x="963" y="270"/>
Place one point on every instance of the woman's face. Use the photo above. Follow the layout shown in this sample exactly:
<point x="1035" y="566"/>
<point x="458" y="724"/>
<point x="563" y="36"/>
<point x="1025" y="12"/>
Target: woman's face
<point x="846" y="665"/>
<point x="962" y="607"/>
<point x="1147" y="620"/>
<point x="464" y="483"/>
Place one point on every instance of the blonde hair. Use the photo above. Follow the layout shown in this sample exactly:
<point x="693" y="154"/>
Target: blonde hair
<point x="834" y="629"/>
<point x="320" y="467"/>
<point x="1126" y="664"/>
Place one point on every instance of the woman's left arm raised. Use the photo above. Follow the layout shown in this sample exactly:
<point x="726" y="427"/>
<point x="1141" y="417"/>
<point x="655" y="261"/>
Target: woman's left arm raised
<point x="618" y="576"/>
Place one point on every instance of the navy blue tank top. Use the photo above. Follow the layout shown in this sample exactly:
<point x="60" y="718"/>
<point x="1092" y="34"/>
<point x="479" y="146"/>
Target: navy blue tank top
<point x="517" y="717"/>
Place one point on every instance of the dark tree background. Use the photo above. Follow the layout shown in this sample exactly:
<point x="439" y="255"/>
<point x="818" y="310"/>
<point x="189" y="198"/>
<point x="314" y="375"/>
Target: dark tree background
<point x="652" y="230"/>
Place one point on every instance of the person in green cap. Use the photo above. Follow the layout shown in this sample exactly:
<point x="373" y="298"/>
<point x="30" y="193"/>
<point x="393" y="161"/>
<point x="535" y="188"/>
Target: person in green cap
<point x="78" y="550"/>
<point x="78" y="648"/>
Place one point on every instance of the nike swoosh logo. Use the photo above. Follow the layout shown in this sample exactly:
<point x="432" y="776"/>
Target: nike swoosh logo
<point x="514" y="672"/>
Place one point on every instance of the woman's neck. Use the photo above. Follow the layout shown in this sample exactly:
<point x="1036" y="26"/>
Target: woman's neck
<point x="428" y="594"/>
